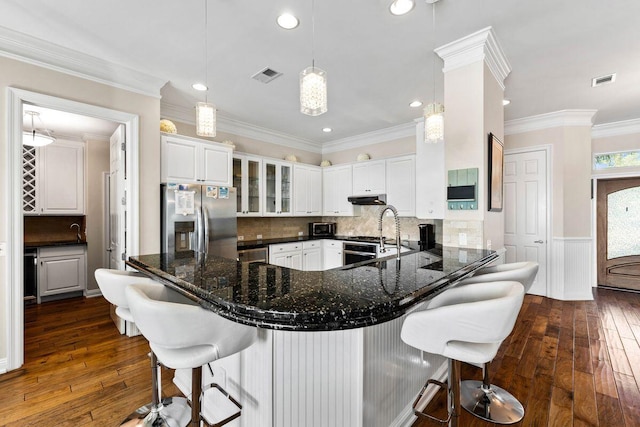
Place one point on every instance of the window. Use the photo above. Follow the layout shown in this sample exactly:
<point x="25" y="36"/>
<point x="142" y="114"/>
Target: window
<point x="616" y="160"/>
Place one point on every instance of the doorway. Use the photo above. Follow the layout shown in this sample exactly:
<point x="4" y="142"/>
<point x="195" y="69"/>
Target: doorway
<point x="618" y="228"/>
<point x="14" y="305"/>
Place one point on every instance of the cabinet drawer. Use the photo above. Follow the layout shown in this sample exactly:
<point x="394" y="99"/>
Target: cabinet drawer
<point x="285" y="247"/>
<point x="311" y="244"/>
<point x="61" y="251"/>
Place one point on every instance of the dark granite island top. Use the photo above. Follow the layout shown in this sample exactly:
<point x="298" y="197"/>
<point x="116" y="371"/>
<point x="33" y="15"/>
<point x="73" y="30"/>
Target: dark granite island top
<point x="274" y="297"/>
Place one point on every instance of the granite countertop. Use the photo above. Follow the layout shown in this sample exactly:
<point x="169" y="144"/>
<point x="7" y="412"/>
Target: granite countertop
<point x="32" y="245"/>
<point x="269" y="296"/>
<point x="253" y="244"/>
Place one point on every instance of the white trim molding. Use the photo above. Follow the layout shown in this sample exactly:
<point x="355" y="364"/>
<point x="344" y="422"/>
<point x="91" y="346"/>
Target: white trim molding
<point x="31" y="50"/>
<point x="3" y="365"/>
<point x="625" y="127"/>
<point x="382" y="135"/>
<point x="554" y="119"/>
<point x="572" y="270"/>
<point x="480" y="46"/>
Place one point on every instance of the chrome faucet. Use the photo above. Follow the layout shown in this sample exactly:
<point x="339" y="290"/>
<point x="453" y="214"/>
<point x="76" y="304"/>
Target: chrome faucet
<point x="395" y="215"/>
<point x="78" y="236"/>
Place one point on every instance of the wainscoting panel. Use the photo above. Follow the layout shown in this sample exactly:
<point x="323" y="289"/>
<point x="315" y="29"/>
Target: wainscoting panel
<point x="572" y="269"/>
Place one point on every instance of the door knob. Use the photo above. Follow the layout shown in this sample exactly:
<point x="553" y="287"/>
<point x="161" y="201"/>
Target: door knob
<point x="538" y="241"/>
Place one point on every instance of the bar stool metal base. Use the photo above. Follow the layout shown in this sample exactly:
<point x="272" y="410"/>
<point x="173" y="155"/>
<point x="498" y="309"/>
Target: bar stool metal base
<point x="493" y="404"/>
<point x="172" y="412"/>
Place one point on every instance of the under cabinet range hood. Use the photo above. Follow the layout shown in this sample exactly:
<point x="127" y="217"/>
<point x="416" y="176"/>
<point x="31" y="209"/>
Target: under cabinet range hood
<point x="373" y="199"/>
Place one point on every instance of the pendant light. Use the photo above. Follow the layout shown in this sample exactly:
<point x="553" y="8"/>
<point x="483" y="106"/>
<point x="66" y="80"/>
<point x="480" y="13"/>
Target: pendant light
<point x="434" y="112"/>
<point x="313" y="81"/>
<point x="205" y="111"/>
<point x="36" y="138"/>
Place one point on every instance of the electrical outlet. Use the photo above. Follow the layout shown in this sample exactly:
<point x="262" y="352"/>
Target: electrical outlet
<point x="488" y="244"/>
<point x="300" y="233"/>
<point x="259" y="237"/>
<point x="462" y="239"/>
<point x="240" y="237"/>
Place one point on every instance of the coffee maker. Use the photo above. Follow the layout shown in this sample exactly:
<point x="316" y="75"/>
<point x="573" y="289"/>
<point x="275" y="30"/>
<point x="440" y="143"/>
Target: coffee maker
<point x="427" y="236"/>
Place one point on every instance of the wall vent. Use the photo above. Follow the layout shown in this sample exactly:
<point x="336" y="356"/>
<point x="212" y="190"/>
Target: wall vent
<point x="603" y="80"/>
<point x="266" y="75"/>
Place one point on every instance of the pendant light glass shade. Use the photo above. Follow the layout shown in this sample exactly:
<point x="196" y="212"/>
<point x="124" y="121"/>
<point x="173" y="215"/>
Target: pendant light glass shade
<point x="36" y="139"/>
<point x="433" y="123"/>
<point x="206" y="119"/>
<point x="313" y="91"/>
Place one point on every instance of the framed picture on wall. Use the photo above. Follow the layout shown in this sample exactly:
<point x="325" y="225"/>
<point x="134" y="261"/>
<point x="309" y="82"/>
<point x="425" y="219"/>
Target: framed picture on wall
<point x="496" y="169"/>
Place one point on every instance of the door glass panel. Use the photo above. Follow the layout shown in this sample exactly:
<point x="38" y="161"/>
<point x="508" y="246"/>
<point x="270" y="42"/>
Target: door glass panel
<point x="271" y="187"/>
<point x="286" y="189"/>
<point x="254" y="185"/>
<point x="623" y="226"/>
<point x="237" y="182"/>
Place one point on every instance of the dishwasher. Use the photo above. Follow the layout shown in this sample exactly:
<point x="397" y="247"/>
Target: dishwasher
<point x="30" y="275"/>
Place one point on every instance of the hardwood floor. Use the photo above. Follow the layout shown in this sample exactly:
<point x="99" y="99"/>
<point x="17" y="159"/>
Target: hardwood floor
<point x="78" y="369"/>
<point x="569" y="363"/>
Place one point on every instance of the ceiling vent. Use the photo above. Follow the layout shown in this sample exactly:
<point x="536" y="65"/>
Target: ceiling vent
<point x="266" y="75"/>
<point x="603" y="80"/>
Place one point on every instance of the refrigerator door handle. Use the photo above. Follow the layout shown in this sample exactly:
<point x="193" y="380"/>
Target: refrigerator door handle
<point x="205" y="222"/>
<point x="197" y="238"/>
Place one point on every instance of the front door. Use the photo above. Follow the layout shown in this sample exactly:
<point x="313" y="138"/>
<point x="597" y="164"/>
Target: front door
<point x="618" y="232"/>
<point x="117" y="207"/>
<point x="525" y="212"/>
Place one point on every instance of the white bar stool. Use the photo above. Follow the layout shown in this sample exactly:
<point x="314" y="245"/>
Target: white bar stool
<point x="185" y="335"/>
<point x="481" y="398"/>
<point x="158" y="413"/>
<point x="464" y="324"/>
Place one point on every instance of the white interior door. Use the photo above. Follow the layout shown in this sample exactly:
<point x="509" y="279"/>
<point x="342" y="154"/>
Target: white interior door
<point x="525" y="218"/>
<point x="117" y="207"/>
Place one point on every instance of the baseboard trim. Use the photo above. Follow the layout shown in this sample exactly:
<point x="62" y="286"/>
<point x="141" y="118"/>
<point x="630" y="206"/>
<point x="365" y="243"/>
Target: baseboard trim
<point x="4" y="365"/>
<point x="92" y="293"/>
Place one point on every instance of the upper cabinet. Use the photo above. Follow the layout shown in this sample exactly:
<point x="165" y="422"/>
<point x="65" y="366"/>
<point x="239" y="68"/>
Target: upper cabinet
<point x="307" y="184"/>
<point x="53" y="179"/>
<point x="369" y="178"/>
<point x="247" y="177"/>
<point x="401" y="184"/>
<point x="276" y="183"/>
<point x="337" y="184"/>
<point x="189" y="160"/>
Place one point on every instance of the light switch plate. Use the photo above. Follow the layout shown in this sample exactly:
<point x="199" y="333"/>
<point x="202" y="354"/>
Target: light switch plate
<point x="240" y="237"/>
<point x="462" y="239"/>
<point x="259" y="237"/>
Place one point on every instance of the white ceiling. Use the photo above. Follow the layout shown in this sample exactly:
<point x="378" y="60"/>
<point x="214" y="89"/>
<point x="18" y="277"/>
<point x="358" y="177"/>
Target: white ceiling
<point x="376" y="62"/>
<point x="68" y="125"/>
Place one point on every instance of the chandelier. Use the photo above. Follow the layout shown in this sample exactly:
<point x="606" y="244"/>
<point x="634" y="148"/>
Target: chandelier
<point x="433" y="113"/>
<point x="206" y="111"/>
<point x="313" y="81"/>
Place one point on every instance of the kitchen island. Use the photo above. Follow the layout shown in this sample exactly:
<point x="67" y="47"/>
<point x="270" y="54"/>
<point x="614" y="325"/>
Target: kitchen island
<point x="329" y="351"/>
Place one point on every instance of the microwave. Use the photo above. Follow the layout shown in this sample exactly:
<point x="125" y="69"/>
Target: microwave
<point x="322" y="229"/>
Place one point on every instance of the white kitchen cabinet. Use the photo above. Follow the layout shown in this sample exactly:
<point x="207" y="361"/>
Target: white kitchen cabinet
<point x="312" y="255"/>
<point x="53" y="179"/>
<point x="190" y="160"/>
<point x="430" y="177"/>
<point x="276" y="192"/>
<point x="401" y="181"/>
<point x="307" y="185"/>
<point x="369" y="178"/>
<point x="331" y="254"/>
<point x="61" y="270"/>
<point x="336" y="188"/>
<point x="247" y="178"/>
<point x="286" y="255"/>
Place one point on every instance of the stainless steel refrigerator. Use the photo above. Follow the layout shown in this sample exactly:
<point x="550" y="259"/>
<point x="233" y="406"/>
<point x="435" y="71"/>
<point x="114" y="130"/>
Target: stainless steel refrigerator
<point x="199" y="218"/>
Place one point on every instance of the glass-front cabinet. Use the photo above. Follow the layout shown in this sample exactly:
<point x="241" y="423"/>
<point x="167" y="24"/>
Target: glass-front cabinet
<point x="277" y="188"/>
<point x="247" y="176"/>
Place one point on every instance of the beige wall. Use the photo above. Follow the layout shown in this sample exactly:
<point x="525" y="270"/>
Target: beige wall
<point x="33" y="78"/>
<point x="382" y="150"/>
<point x="616" y="143"/>
<point x="97" y="162"/>
<point x="253" y="146"/>
<point x="570" y="175"/>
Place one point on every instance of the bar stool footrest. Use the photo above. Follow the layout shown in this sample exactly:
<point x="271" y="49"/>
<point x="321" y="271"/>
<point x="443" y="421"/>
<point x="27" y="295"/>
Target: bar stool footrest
<point x="219" y="407"/>
<point x="419" y="413"/>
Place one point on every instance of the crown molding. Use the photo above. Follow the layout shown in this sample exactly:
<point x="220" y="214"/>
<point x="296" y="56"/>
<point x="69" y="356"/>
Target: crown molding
<point x="31" y="50"/>
<point x="555" y="119"/>
<point x="479" y="46"/>
<point x="369" y="138"/>
<point x="626" y="127"/>
<point x="239" y="128"/>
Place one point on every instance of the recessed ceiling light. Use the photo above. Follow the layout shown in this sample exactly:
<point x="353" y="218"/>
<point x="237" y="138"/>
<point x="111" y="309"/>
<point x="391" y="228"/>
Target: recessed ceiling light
<point x="327" y="130"/>
<point x="416" y="104"/>
<point x="506" y="101"/>
<point x="199" y="86"/>
<point x="400" y="7"/>
<point x="287" y="21"/>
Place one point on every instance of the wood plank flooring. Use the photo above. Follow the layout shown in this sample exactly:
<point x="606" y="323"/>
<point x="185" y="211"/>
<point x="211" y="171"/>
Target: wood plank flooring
<point x="569" y="363"/>
<point x="78" y="369"/>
